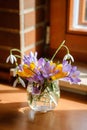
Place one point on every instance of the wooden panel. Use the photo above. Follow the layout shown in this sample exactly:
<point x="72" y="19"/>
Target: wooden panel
<point x="57" y="22"/>
<point x="40" y="33"/>
<point x="78" y="46"/>
<point x="9" y="39"/>
<point x="9" y="4"/>
<point x="40" y="15"/>
<point x="9" y="20"/>
<point x="40" y="2"/>
<point x="4" y="52"/>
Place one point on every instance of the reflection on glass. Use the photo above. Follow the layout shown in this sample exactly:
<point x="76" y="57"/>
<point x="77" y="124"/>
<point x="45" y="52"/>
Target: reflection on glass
<point x="86" y="10"/>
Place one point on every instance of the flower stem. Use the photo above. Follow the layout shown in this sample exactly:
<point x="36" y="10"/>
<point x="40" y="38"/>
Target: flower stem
<point x="15" y="49"/>
<point x="57" y="50"/>
<point x="18" y="56"/>
<point x="66" y="48"/>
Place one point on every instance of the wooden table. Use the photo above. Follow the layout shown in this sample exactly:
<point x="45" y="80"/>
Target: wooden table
<point x="71" y="113"/>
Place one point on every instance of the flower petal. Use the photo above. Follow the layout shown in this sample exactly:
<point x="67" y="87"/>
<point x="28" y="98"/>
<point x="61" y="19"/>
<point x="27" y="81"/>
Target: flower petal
<point x="8" y="58"/>
<point x="68" y="57"/>
<point x="15" y="83"/>
<point x="22" y="82"/>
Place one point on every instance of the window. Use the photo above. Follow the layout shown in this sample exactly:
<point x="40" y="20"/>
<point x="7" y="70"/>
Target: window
<point x="78" y="15"/>
<point x="68" y="20"/>
<point x="83" y="12"/>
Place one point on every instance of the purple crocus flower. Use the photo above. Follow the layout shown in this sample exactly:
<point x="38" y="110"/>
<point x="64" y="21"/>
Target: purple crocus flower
<point x="37" y="79"/>
<point x="41" y="63"/>
<point x="66" y="66"/>
<point x="73" y="76"/>
<point x="46" y="69"/>
<point x="32" y="57"/>
<point x="20" y="67"/>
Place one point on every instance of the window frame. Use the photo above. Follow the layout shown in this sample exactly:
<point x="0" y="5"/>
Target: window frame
<point x="82" y="12"/>
<point x="81" y="21"/>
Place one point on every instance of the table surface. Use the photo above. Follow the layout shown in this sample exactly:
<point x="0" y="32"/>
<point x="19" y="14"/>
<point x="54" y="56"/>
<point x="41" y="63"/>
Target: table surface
<point x="70" y="114"/>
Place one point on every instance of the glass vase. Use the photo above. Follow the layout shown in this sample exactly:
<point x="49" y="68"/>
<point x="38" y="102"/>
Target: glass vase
<point x="45" y="101"/>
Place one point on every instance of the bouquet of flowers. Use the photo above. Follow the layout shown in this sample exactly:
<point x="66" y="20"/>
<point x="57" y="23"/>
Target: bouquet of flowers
<point x="42" y="73"/>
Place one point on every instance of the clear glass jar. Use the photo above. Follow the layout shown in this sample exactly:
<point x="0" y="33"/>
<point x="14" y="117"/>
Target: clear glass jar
<point x="45" y="101"/>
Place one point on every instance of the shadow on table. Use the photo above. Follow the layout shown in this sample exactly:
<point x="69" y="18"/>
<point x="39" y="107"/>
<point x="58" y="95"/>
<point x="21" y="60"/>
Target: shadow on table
<point x="18" y="116"/>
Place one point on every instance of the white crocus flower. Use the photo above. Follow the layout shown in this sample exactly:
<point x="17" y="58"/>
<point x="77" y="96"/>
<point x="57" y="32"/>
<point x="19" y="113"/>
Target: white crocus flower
<point x="19" y="80"/>
<point x="11" y="58"/>
<point x="68" y="57"/>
